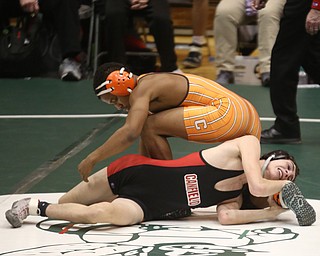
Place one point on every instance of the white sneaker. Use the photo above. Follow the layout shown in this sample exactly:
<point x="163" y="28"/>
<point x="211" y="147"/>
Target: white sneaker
<point x="70" y="70"/>
<point x="18" y="212"/>
<point x="178" y="71"/>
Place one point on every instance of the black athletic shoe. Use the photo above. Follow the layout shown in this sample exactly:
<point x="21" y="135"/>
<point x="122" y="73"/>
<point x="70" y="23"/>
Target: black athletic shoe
<point x="225" y="77"/>
<point x="272" y="136"/>
<point x="193" y="60"/>
<point x="265" y="79"/>
<point x="292" y="197"/>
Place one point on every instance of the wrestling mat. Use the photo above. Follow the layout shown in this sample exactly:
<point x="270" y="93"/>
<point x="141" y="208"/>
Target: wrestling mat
<point x="199" y="234"/>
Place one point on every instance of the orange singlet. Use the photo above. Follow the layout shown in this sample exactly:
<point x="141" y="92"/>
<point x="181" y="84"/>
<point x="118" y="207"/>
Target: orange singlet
<point x="212" y="113"/>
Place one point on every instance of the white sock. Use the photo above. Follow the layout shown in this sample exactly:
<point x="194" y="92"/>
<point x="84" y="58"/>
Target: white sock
<point x="33" y="207"/>
<point x="194" y="48"/>
<point x="281" y="201"/>
<point x="201" y="40"/>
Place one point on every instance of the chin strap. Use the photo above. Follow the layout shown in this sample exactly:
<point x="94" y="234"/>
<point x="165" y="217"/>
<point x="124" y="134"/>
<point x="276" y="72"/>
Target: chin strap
<point x="266" y="163"/>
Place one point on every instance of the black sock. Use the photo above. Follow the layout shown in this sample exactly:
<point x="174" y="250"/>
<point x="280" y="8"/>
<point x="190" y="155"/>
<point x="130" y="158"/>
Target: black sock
<point x="42" y="207"/>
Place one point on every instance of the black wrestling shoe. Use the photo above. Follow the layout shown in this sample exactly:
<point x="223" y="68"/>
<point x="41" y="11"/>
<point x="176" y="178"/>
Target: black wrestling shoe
<point x="292" y="198"/>
<point x="272" y="136"/>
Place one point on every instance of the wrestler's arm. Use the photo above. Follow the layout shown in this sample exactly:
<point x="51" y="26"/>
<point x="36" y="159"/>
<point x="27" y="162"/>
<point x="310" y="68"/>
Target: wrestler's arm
<point x="125" y="136"/>
<point x="243" y="153"/>
<point x="230" y="213"/>
<point x="249" y="153"/>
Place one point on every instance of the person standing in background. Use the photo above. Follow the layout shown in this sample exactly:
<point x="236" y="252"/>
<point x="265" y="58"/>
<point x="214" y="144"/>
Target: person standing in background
<point x="297" y="44"/>
<point x="230" y="14"/>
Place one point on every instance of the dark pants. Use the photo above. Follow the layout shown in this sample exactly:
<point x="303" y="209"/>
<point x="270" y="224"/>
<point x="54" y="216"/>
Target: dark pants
<point x="118" y="19"/>
<point x="63" y="14"/>
<point x="293" y="48"/>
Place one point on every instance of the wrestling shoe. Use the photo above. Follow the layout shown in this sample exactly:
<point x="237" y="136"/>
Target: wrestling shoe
<point x="18" y="212"/>
<point x="293" y="199"/>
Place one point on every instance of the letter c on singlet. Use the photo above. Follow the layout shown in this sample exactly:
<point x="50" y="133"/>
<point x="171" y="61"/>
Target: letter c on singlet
<point x="201" y="123"/>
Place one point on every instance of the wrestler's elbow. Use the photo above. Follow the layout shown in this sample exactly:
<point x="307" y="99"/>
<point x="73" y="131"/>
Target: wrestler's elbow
<point x="257" y="189"/>
<point x="131" y="134"/>
<point x="226" y="217"/>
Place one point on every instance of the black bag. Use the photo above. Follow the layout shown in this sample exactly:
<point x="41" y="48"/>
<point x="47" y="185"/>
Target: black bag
<point x="20" y="48"/>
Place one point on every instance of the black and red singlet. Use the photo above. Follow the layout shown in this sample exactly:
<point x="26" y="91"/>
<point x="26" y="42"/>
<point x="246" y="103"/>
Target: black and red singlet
<point x="168" y="188"/>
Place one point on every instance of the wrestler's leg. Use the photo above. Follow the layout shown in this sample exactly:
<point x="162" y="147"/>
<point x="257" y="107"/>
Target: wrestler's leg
<point x="158" y="128"/>
<point x="142" y="149"/>
<point x="96" y="190"/>
<point x="119" y="212"/>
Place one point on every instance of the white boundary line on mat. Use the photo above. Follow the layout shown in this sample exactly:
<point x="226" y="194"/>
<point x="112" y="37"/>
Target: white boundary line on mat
<point x="303" y="120"/>
<point x="60" y="116"/>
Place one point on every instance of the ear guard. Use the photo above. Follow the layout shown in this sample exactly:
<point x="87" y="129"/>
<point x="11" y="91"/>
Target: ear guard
<point x="119" y="83"/>
<point x="266" y="163"/>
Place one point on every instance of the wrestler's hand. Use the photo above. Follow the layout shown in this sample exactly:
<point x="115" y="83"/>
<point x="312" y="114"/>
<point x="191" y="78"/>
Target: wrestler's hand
<point x="313" y="22"/>
<point x="139" y="4"/>
<point x="31" y="6"/>
<point x="259" y="4"/>
<point x="85" y="168"/>
<point x="274" y="207"/>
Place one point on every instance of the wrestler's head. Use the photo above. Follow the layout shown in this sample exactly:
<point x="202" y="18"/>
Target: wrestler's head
<point x="113" y="78"/>
<point x="279" y="164"/>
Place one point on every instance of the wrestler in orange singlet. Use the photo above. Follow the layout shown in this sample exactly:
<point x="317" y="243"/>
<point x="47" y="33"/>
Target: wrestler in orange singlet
<point x="214" y="114"/>
<point x="163" y="105"/>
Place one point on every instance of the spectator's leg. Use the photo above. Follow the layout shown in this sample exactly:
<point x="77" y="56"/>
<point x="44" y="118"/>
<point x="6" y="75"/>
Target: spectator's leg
<point x="229" y="15"/>
<point x="268" y="28"/>
<point x="117" y="14"/>
<point x="199" y="26"/>
<point x="287" y="56"/>
<point x="65" y="16"/>
<point x="158" y="16"/>
<point x="66" y="21"/>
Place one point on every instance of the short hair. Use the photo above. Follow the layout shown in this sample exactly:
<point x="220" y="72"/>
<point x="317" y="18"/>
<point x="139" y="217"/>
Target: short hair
<point x="103" y="72"/>
<point x="281" y="154"/>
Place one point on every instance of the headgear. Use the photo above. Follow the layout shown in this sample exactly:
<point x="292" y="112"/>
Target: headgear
<point x="119" y="83"/>
<point x="276" y="155"/>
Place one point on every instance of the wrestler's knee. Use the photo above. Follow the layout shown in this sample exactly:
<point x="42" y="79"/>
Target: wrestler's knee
<point x="148" y="128"/>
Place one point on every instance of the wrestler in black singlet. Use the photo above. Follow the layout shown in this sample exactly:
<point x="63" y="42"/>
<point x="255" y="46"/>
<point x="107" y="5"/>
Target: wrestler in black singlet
<point x="167" y="189"/>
